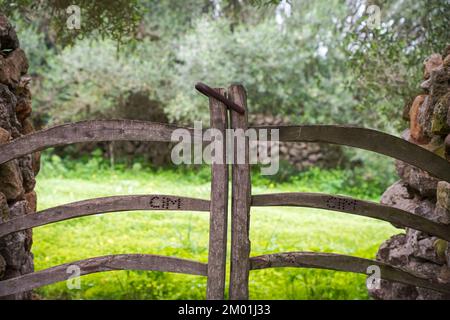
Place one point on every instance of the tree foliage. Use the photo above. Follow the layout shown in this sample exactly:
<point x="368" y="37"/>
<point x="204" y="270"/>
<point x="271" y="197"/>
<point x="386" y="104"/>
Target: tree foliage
<point x="387" y="61"/>
<point x="313" y="61"/>
<point x="281" y="66"/>
<point x="100" y="18"/>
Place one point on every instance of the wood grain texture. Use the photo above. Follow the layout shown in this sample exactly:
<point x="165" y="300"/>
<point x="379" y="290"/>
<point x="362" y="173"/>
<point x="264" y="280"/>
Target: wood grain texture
<point x="86" y="131"/>
<point x="146" y="262"/>
<point x="217" y="253"/>
<point x="345" y="263"/>
<point x="240" y="201"/>
<point x="396" y="216"/>
<point x="368" y="139"/>
<point x="103" y="205"/>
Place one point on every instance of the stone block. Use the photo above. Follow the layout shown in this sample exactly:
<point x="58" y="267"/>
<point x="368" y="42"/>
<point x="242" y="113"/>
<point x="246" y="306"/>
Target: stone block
<point x="446" y="62"/>
<point x="439" y="122"/>
<point x="441" y="214"/>
<point x="26" y="168"/>
<point x="439" y="84"/>
<point x="426" y="249"/>
<point x="15" y="246"/>
<point x="31" y="199"/>
<point x="424" y="269"/>
<point x="394" y="251"/>
<point x="426" y="85"/>
<point x="424" y="118"/>
<point x="399" y="196"/>
<point x="416" y="130"/>
<point x="431" y="63"/>
<point x="8" y="36"/>
<point x="443" y="194"/>
<point x="13" y="67"/>
<point x="11" y="180"/>
<point x="27" y="127"/>
<point x="4" y="136"/>
<point x="417" y="179"/>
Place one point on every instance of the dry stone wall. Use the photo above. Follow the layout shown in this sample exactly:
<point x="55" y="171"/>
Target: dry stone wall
<point x="420" y="193"/>
<point x="138" y="107"/>
<point x="17" y="195"/>
<point x="302" y="155"/>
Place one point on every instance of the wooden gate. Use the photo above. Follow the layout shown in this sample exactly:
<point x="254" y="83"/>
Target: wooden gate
<point x="119" y="130"/>
<point x="228" y="109"/>
<point x="372" y="140"/>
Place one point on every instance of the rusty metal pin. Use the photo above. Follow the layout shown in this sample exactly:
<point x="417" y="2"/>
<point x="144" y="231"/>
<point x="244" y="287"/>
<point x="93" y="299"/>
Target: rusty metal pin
<point x="210" y="92"/>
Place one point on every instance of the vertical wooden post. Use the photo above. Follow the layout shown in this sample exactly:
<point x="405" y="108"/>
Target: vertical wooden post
<point x="219" y="208"/>
<point x="241" y="200"/>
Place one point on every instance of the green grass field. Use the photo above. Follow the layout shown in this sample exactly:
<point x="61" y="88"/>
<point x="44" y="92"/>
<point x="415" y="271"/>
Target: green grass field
<point x="185" y="234"/>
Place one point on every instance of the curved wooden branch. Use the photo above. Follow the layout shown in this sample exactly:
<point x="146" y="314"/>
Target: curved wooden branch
<point x="367" y="139"/>
<point x="353" y="206"/>
<point x="103" y="205"/>
<point x="345" y="263"/>
<point x="210" y="92"/>
<point x="87" y="131"/>
<point x="62" y="272"/>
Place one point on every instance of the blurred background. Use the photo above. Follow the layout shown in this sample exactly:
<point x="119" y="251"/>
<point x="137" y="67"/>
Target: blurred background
<point x="302" y="62"/>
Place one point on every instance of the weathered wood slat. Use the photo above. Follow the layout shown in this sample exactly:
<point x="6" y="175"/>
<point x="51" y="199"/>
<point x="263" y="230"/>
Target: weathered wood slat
<point x="240" y="201"/>
<point x="217" y="253"/>
<point x="86" y="131"/>
<point x="345" y="263"/>
<point x="103" y="205"/>
<point x="368" y="139"/>
<point x="146" y="262"/>
<point x="396" y="216"/>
